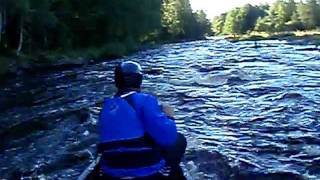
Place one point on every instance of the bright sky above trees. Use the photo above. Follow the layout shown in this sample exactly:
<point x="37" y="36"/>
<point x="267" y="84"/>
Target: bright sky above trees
<point x="216" y="7"/>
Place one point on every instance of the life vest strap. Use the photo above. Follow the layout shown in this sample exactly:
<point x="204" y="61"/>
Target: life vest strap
<point x="132" y="153"/>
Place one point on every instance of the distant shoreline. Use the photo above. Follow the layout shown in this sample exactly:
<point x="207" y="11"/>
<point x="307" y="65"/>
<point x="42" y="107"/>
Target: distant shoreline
<point x="297" y="37"/>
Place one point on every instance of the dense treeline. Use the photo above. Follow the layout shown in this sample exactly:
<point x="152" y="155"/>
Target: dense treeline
<point x="180" y="22"/>
<point x="36" y="25"/>
<point x="283" y="15"/>
<point x="115" y="26"/>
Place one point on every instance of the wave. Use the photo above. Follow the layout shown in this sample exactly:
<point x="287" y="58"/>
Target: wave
<point x="233" y="77"/>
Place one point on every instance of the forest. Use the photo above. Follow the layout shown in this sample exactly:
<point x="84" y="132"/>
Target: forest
<point x="283" y="15"/>
<point x="94" y="28"/>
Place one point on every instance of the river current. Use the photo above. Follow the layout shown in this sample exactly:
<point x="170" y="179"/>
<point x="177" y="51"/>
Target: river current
<point x="257" y="104"/>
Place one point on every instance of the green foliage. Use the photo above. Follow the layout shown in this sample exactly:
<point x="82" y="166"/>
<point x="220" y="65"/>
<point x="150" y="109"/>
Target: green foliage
<point x="239" y="20"/>
<point x="218" y="23"/>
<point x="295" y="23"/>
<point x="309" y="13"/>
<point x="171" y="19"/>
<point x="203" y="25"/>
<point x="180" y="22"/>
<point x="264" y="25"/>
<point x="251" y="15"/>
<point x="232" y="24"/>
<point x="45" y="32"/>
<point x="283" y="15"/>
<point x="289" y="15"/>
<point x="106" y="27"/>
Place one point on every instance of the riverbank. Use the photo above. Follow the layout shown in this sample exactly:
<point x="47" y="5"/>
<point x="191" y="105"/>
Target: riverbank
<point x="12" y="65"/>
<point x="297" y="37"/>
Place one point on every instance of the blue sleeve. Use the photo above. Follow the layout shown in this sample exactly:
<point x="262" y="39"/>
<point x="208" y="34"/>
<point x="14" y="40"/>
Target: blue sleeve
<point x="157" y="124"/>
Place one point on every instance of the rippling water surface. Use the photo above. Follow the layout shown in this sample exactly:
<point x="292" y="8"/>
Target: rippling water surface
<point x="260" y="107"/>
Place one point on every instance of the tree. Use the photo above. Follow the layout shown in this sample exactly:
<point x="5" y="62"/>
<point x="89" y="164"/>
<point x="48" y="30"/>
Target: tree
<point x="264" y="25"/>
<point x="218" y="23"/>
<point x="282" y="15"/>
<point x="18" y="11"/>
<point x="291" y="10"/>
<point x="295" y="23"/>
<point x="317" y="13"/>
<point x="251" y="15"/>
<point x="203" y="24"/>
<point x="171" y="20"/>
<point x="40" y="23"/>
<point x="309" y="13"/>
<point x="34" y="26"/>
<point x="179" y="21"/>
<point x="232" y="24"/>
<point x="278" y="15"/>
<point x="187" y="18"/>
<point x="239" y="20"/>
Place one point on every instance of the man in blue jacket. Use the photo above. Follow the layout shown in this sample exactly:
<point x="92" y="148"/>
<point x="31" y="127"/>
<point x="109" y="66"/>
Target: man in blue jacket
<point x="138" y="137"/>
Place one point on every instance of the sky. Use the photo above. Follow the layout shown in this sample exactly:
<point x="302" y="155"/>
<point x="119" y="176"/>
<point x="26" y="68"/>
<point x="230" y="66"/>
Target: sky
<point x="216" y="7"/>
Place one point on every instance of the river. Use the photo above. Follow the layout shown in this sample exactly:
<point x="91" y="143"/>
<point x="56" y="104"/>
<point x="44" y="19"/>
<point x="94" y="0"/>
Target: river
<point x="257" y="106"/>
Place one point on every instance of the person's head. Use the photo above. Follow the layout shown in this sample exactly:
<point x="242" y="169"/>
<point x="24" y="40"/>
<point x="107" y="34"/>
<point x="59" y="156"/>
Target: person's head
<point x="128" y="75"/>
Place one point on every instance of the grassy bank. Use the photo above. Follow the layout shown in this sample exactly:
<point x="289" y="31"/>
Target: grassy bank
<point x="308" y="37"/>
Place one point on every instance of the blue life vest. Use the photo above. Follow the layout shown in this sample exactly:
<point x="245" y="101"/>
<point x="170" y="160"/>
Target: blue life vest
<point x="127" y="150"/>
